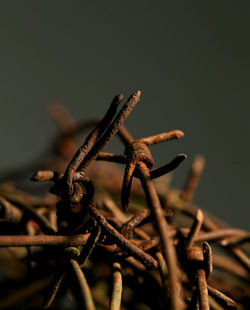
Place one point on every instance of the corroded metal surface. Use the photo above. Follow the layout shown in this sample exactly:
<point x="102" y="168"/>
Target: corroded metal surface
<point x="104" y="232"/>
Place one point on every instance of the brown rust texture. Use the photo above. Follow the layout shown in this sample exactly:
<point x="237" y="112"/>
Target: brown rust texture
<point x="90" y="235"/>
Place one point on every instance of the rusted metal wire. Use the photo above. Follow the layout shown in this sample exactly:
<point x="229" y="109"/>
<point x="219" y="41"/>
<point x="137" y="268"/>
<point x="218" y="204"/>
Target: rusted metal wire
<point x="85" y="295"/>
<point x="121" y="241"/>
<point x="163" y="269"/>
<point x="53" y="288"/>
<point x="43" y="240"/>
<point x="197" y="275"/>
<point x="112" y="130"/>
<point x="116" y="296"/>
<point x="221" y="298"/>
<point x="167" y="242"/>
<point x="89" y="246"/>
<point x="166" y="136"/>
<point x="140" y="162"/>
<point x="193" y="178"/>
<point x="89" y="142"/>
<point x="156" y="235"/>
<point x="194" y="231"/>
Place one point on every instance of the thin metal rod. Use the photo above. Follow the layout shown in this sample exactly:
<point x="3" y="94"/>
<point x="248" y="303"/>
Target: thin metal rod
<point x="163" y="270"/>
<point x="221" y="298"/>
<point x="53" y="289"/>
<point x="193" y="178"/>
<point x="43" y="240"/>
<point x="89" y="246"/>
<point x="122" y="242"/>
<point x="168" y="167"/>
<point x="116" y="296"/>
<point x="134" y="221"/>
<point x="162" y="137"/>
<point x="167" y="241"/>
<point x="195" y="228"/>
<point x="202" y="290"/>
<point x="126" y="185"/>
<point x="111" y="131"/>
<point x="89" y="142"/>
<point x="120" y="159"/>
<point x="39" y="218"/>
<point x="85" y="295"/>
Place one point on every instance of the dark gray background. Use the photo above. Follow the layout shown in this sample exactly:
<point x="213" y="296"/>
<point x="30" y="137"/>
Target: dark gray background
<point x="191" y="59"/>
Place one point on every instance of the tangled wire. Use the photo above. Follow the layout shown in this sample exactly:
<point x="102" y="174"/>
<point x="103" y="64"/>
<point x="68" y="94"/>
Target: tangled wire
<point x="101" y="238"/>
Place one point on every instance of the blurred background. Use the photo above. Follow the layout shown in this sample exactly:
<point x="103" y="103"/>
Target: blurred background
<point x="190" y="59"/>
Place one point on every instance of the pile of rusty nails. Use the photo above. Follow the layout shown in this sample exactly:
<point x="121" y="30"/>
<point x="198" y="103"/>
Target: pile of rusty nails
<point x="99" y="241"/>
